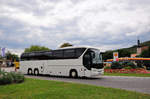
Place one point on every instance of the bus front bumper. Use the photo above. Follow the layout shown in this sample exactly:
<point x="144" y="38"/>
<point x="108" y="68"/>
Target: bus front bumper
<point x="97" y="72"/>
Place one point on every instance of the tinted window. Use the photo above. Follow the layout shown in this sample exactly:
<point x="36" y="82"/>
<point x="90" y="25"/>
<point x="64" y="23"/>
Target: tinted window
<point x="24" y="56"/>
<point x="55" y="54"/>
<point x="48" y="54"/>
<point x="58" y="54"/>
<point x="79" y="51"/>
<point x="31" y="54"/>
<point x="69" y="53"/>
<point x="87" y="60"/>
<point x="38" y="54"/>
<point x="34" y="56"/>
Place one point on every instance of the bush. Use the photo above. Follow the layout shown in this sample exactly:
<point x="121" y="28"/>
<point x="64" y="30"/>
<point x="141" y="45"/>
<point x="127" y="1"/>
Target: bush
<point x="148" y="68"/>
<point x="5" y="78"/>
<point x="116" y="65"/>
<point x="147" y="64"/>
<point x="132" y="65"/>
<point x="107" y="67"/>
<point x="124" y="63"/>
<point x="0" y="71"/>
<point x="12" y="77"/>
<point x="127" y="67"/>
<point x="18" y="77"/>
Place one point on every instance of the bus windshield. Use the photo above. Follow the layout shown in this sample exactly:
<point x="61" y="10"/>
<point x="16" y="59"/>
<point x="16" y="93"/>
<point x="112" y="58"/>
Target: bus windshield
<point x="96" y="56"/>
<point x="92" y="59"/>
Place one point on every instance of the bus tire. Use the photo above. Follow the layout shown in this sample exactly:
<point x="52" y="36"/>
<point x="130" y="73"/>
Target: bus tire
<point x="36" y="72"/>
<point x="73" y="74"/>
<point x="29" y="71"/>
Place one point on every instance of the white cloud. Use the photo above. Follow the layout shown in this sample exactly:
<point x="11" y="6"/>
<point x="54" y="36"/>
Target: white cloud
<point x="1" y="33"/>
<point x="51" y="22"/>
<point x="15" y="51"/>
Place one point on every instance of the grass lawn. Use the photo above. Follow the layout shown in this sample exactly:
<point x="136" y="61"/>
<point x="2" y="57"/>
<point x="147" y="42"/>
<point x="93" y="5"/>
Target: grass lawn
<point x="43" y="89"/>
<point x="125" y="74"/>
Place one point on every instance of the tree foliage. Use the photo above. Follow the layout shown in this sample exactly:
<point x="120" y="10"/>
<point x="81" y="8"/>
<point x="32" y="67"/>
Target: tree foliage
<point x="65" y="45"/>
<point x="108" y="55"/>
<point x="122" y="53"/>
<point x="126" y="52"/>
<point x="146" y="53"/>
<point x="116" y="65"/>
<point x="36" y="48"/>
<point x="13" y="57"/>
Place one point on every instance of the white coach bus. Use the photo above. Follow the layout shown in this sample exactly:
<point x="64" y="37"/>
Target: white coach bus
<point x="69" y="61"/>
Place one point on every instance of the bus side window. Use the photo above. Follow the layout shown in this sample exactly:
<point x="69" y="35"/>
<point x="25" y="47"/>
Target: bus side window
<point x="58" y="54"/>
<point x="69" y="53"/>
<point x="48" y="55"/>
<point x="79" y="52"/>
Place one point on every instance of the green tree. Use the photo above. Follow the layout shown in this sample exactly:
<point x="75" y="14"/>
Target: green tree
<point x="36" y="48"/>
<point x="146" y="53"/>
<point x="108" y="55"/>
<point x="65" y="45"/>
<point x="116" y="65"/>
<point x="124" y="53"/>
<point x="13" y="57"/>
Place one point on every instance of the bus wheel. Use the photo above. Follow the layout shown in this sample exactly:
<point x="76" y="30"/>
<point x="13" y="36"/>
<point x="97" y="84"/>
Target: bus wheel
<point x="36" y="72"/>
<point x="73" y="74"/>
<point x="29" y="71"/>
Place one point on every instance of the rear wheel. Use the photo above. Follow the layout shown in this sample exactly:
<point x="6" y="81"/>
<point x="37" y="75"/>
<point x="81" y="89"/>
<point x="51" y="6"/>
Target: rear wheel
<point x="36" y="72"/>
<point x="73" y="74"/>
<point x="29" y="71"/>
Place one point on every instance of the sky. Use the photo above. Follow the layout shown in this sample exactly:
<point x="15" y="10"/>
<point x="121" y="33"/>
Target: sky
<point x="107" y="24"/>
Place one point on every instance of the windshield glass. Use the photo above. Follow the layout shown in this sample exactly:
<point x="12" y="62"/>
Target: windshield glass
<point x="96" y="56"/>
<point x="92" y="59"/>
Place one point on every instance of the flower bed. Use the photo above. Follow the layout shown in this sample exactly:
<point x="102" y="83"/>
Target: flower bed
<point x="139" y="71"/>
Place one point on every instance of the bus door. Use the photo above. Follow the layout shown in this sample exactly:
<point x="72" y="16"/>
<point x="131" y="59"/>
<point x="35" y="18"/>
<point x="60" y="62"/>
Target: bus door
<point x="87" y="63"/>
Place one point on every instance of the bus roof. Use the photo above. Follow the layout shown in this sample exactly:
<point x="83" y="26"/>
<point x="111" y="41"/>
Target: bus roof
<point x="70" y="47"/>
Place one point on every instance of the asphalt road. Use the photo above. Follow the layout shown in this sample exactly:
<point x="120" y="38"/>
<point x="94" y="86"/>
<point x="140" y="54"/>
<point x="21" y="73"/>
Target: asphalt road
<point x="139" y="84"/>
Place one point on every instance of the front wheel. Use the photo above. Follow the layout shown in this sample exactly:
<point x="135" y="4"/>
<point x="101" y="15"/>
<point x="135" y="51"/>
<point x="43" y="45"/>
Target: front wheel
<point x="73" y="74"/>
<point x="36" y="72"/>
